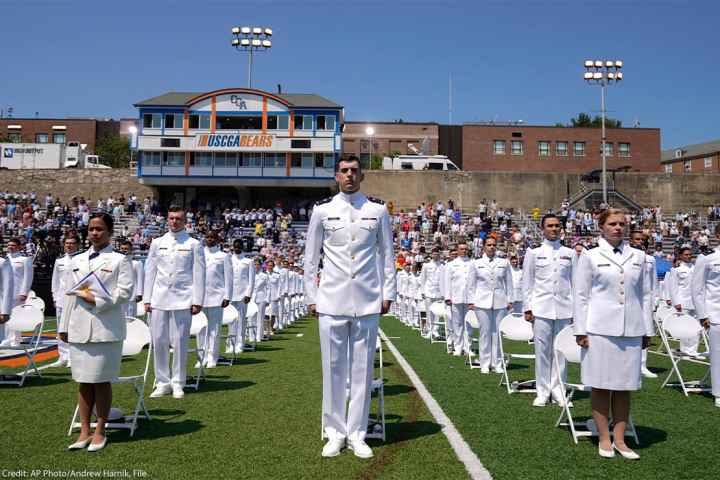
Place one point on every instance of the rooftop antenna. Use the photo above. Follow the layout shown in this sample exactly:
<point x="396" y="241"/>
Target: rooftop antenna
<point x="450" y="98"/>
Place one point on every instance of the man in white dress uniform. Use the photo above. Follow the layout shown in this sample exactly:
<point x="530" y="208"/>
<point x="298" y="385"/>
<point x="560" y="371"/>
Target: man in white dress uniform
<point x="7" y="290"/>
<point x="637" y="240"/>
<point x="174" y="290"/>
<point x="22" y="268"/>
<point x="430" y="284"/>
<point x="706" y="298"/>
<point x="218" y="292"/>
<point x="547" y="303"/>
<point x="243" y="283"/>
<point x="357" y="285"/>
<point x="126" y="248"/>
<point x="458" y="296"/>
<point x="60" y="269"/>
<point x="678" y="287"/>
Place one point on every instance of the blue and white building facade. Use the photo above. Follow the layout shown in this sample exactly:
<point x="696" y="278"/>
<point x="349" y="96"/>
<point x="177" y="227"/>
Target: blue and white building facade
<point x="238" y="137"/>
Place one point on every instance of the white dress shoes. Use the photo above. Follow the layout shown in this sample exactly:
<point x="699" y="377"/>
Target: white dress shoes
<point x="606" y="453"/>
<point x="161" y="391"/>
<point x="627" y="454"/>
<point x="96" y="447"/>
<point x="717" y="402"/>
<point x="648" y="374"/>
<point x="178" y="393"/>
<point x="81" y="445"/>
<point x="360" y="448"/>
<point x="540" y="402"/>
<point x="485" y="370"/>
<point x="333" y="447"/>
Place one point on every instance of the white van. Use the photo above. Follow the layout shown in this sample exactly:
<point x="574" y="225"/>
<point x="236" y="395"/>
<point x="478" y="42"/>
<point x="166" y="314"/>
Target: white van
<point x="419" y="162"/>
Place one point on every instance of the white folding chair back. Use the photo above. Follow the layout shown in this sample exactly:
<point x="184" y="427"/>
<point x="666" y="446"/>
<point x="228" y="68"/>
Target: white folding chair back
<point x="137" y="338"/>
<point x="438" y="309"/>
<point x="36" y="302"/>
<point x="198" y="323"/>
<point x="250" y="328"/>
<point x="230" y="315"/>
<point x="25" y="318"/>
<point x="471" y="319"/>
<point x="140" y="309"/>
<point x="514" y="327"/>
<point x="441" y="320"/>
<point x="565" y="345"/>
<point x="679" y="326"/>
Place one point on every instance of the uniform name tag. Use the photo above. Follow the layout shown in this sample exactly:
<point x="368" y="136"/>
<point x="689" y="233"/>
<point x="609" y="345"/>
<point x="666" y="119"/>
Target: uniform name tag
<point x="542" y="258"/>
<point x="481" y="266"/>
<point x="105" y="270"/>
<point x="333" y="218"/>
<point x="162" y="248"/>
<point x="75" y="269"/>
<point x="603" y="265"/>
<point x="565" y="258"/>
<point x="183" y="250"/>
<point x="370" y="218"/>
<point x="716" y="265"/>
<point x="636" y="264"/>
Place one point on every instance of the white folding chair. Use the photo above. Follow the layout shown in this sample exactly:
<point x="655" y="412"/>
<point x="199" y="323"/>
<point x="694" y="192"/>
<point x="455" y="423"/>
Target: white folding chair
<point x="514" y="327"/>
<point x="140" y="309"/>
<point x="199" y="322"/>
<point x="472" y="321"/>
<point x="230" y="314"/>
<point x="681" y="326"/>
<point x="138" y="336"/>
<point x="376" y="424"/>
<point x="566" y="346"/>
<point x="438" y="309"/>
<point x="659" y="316"/>
<point x="250" y="327"/>
<point x="25" y="319"/>
<point x="36" y="302"/>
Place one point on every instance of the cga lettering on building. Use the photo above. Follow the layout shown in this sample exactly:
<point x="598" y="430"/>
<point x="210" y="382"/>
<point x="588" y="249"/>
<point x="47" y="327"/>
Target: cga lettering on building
<point x="234" y="141"/>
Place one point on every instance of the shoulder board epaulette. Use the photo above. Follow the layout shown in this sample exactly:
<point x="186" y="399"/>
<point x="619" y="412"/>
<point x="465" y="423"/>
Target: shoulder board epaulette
<point x="376" y="200"/>
<point x="591" y="247"/>
<point x="324" y="201"/>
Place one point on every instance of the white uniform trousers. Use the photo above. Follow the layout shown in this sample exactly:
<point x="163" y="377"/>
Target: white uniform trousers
<point x="130" y="308"/>
<point x="449" y="335"/>
<point x="238" y="328"/>
<point x="11" y="337"/>
<point x="347" y="346"/>
<point x="170" y="328"/>
<point x="260" y="321"/>
<point x="460" y="334"/>
<point x="430" y="316"/>
<point x="274" y="312"/>
<point x="63" y="347"/>
<point x="281" y="313"/>
<point x="489" y="350"/>
<point x="544" y="332"/>
<point x="714" y="340"/>
<point x="690" y="346"/>
<point x="211" y="335"/>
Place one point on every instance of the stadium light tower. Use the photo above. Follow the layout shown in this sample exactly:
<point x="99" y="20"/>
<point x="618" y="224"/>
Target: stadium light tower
<point x="370" y="131"/>
<point x="251" y="40"/>
<point x="603" y="73"/>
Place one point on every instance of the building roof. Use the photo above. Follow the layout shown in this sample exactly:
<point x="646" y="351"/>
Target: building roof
<point x="298" y="100"/>
<point x="687" y="151"/>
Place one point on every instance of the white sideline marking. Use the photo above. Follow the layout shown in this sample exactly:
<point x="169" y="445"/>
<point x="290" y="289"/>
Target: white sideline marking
<point x="472" y="463"/>
<point x="299" y="334"/>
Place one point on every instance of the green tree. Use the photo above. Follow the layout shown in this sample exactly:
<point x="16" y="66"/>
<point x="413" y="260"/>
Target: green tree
<point x="584" y="120"/>
<point x="115" y="150"/>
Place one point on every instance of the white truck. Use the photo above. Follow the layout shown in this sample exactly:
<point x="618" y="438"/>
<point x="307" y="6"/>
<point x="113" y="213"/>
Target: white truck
<point x="15" y="156"/>
<point x="418" y="162"/>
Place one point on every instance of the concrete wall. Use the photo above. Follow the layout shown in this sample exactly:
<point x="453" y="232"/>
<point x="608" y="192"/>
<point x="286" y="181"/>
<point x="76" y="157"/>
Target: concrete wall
<point x="64" y="184"/>
<point x="544" y="190"/>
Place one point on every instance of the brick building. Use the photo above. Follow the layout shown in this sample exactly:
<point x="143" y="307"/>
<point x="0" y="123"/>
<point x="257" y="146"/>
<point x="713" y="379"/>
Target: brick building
<point x="697" y="158"/>
<point x="87" y="131"/>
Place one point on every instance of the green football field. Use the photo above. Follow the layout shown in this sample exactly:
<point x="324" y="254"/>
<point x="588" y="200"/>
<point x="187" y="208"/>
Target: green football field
<point x="261" y="419"/>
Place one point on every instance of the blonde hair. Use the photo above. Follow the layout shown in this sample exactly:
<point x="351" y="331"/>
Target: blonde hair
<point x="605" y="214"/>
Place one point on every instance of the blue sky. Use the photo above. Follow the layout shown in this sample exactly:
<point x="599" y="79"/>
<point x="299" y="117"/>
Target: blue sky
<point x="382" y="60"/>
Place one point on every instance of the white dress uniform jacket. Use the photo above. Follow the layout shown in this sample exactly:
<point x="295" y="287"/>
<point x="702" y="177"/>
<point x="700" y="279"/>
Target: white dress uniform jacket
<point x="401" y="280"/>
<point x="104" y="321"/>
<point x="60" y="269"/>
<point x="7" y="289"/>
<point x="261" y="292"/>
<point x="430" y="279"/>
<point x="456" y="280"/>
<point x="516" y="274"/>
<point x="706" y="287"/>
<point x="175" y="266"/>
<point x="273" y="286"/>
<point x="139" y="270"/>
<point x="353" y="233"/>
<point x="218" y="277"/>
<point x="22" y="267"/>
<point x="243" y="280"/>
<point x="490" y="283"/>
<point x="679" y="286"/>
<point x="547" y="281"/>
<point x="611" y="293"/>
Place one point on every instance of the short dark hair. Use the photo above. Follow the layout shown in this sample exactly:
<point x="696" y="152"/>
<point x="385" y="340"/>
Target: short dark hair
<point x="546" y="217"/>
<point x="106" y="219"/>
<point x="717" y="229"/>
<point x="176" y="208"/>
<point x="350" y="158"/>
<point x="126" y="242"/>
<point x="684" y="249"/>
<point x="15" y="240"/>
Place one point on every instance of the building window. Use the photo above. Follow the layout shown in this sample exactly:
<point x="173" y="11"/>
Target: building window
<point x="325" y="160"/>
<point x="708" y="162"/>
<point x="517" y="147"/>
<point x="326" y="122"/>
<point x="687" y="166"/>
<point x="251" y="159"/>
<point x="239" y="123"/>
<point x="272" y="121"/>
<point x="199" y="121"/>
<point x="274" y="160"/>
<point x="59" y="138"/>
<point x="151" y="159"/>
<point x="173" y="120"/>
<point x="499" y="147"/>
<point x="152" y="120"/>
<point x="668" y="168"/>
<point x="303" y="122"/>
<point x="543" y="148"/>
<point x="579" y="149"/>
<point x="302" y="160"/>
<point x="561" y="149"/>
<point x="42" y="138"/>
<point x="14" y="137"/>
<point x="623" y="149"/>
<point x="608" y="149"/>
<point x="174" y="159"/>
<point x="283" y="122"/>
<point x="203" y="159"/>
<point x="277" y="122"/>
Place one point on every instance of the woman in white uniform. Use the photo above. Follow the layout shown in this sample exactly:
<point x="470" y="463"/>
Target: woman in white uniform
<point x="93" y="323"/>
<point x="274" y="292"/>
<point x="261" y="295"/>
<point x="613" y="323"/>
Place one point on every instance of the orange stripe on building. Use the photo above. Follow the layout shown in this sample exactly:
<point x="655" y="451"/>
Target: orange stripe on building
<point x="186" y="122"/>
<point x="288" y="159"/>
<point x="291" y="123"/>
<point x="187" y="163"/>
<point x="213" y="113"/>
<point x="264" y="115"/>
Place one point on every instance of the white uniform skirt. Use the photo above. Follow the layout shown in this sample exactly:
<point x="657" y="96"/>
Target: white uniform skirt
<point x="612" y="363"/>
<point x="95" y="362"/>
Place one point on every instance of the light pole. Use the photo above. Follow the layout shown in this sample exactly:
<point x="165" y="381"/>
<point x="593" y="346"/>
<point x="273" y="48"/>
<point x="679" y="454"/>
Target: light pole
<point x="251" y="40"/>
<point x="133" y="142"/>
<point x="370" y="131"/>
<point x="603" y="73"/>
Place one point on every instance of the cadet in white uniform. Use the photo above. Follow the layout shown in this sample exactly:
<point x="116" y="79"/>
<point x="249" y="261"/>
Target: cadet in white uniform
<point x="174" y="290"/>
<point x="430" y="285"/>
<point x="490" y="284"/>
<point x="357" y="285"/>
<point x="261" y="297"/>
<point x="516" y="273"/>
<point x="7" y="290"/>
<point x="218" y="292"/>
<point x="706" y="298"/>
<point x="126" y="248"/>
<point x="678" y="288"/>
<point x="242" y="287"/>
<point x="637" y="240"/>
<point x="547" y="303"/>
<point x="403" y="283"/>
<point x="281" y="269"/>
<point x="60" y="269"/>
<point x="274" y="296"/>
<point x="612" y="322"/>
<point x="22" y="268"/>
<point x="458" y="296"/>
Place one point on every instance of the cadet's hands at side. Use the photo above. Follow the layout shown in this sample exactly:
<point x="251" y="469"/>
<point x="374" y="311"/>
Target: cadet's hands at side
<point x="195" y="309"/>
<point x="529" y="317"/>
<point x="385" y="307"/>
<point x="64" y="337"/>
<point x="645" y="342"/>
<point x="225" y="303"/>
<point x="4" y="318"/>
<point x="246" y="300"/>
<point x="312" y="308"/>
<point x="582" y="340"/>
